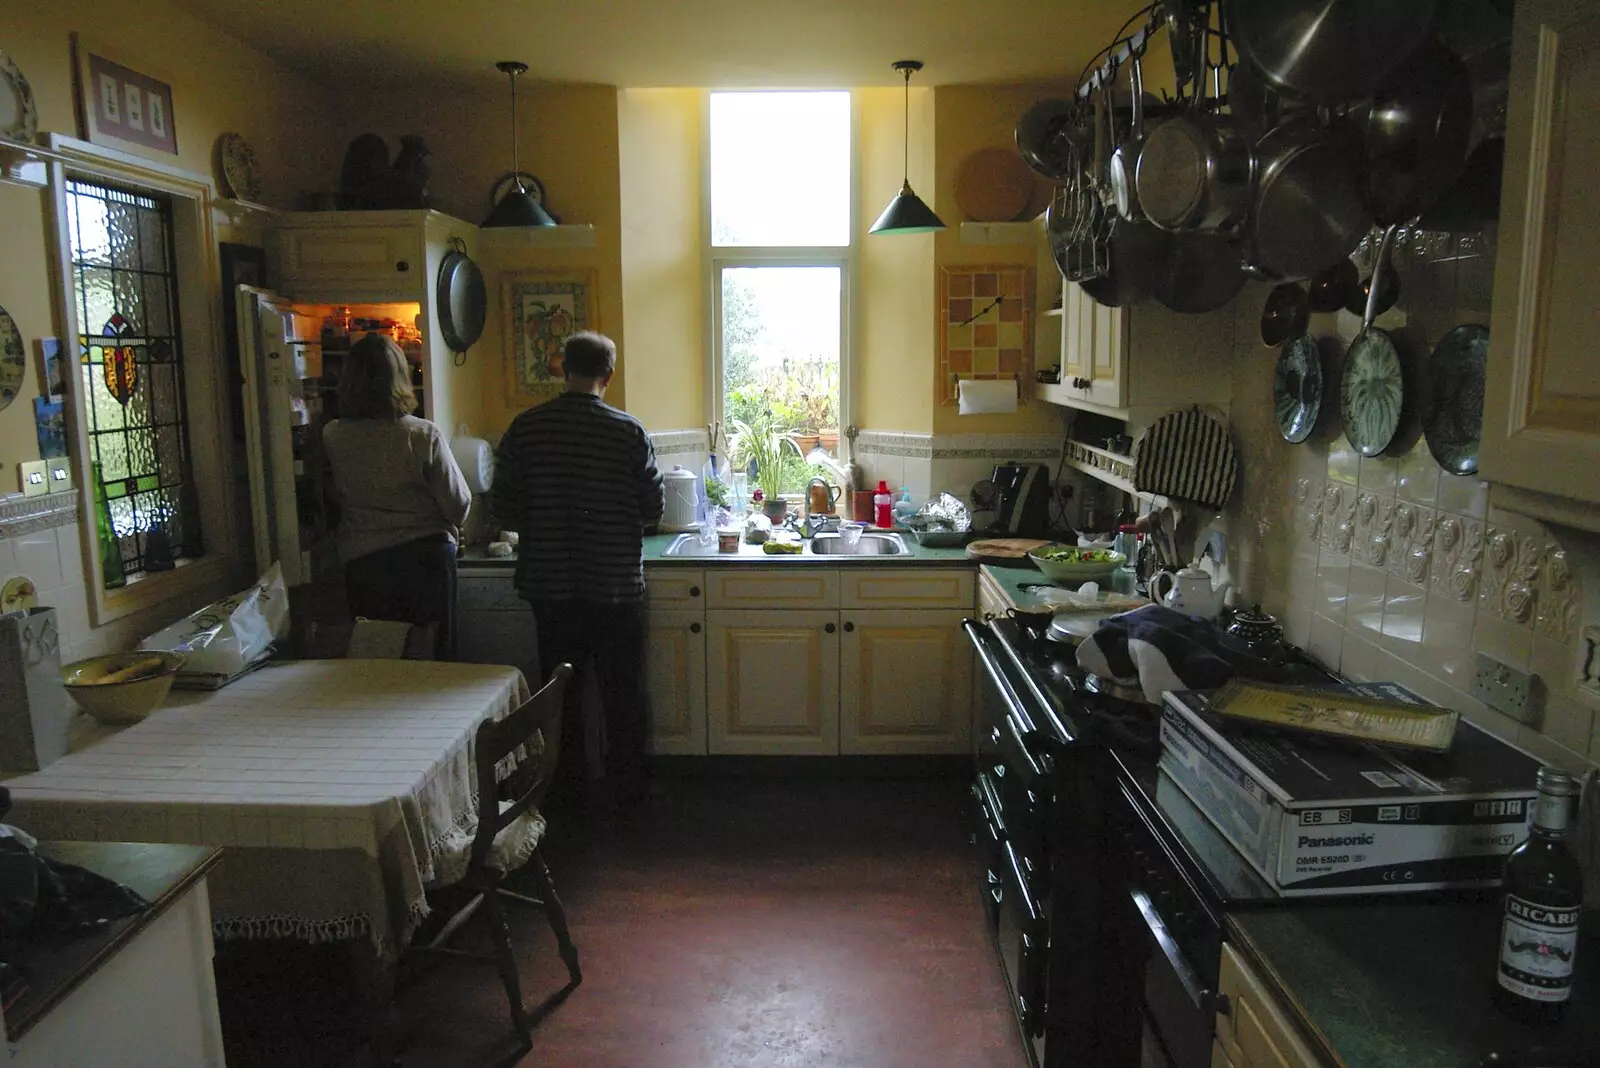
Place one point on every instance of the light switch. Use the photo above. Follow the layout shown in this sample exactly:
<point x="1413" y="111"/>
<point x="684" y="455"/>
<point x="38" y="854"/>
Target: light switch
<point x="59" y="471"/>
<point x="34" y="478"/>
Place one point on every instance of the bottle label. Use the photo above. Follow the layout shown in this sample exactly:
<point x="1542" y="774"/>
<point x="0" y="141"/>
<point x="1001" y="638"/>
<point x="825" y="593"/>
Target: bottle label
<point x="1551" y="812"/>
<point x="1537" y="947"/>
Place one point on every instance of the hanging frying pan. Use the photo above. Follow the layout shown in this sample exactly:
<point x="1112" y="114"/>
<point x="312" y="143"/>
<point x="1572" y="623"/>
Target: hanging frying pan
<point x="1334" y="52"/>
<point x="1418" y="129"/>
<point x="462" y="299"/>
<point x="1372" y="385"/>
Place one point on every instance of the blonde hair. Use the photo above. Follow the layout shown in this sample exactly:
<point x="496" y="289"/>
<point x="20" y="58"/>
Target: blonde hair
<point x="376" y="381"/>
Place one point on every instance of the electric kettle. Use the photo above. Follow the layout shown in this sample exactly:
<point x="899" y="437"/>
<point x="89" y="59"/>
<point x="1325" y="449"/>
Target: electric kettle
<point x="822" y="498"/>
<point x="683" y="500"/>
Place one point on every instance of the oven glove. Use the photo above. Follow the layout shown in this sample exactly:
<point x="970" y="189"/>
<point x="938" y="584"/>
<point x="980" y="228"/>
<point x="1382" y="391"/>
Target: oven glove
<point x="1158" y="649"/>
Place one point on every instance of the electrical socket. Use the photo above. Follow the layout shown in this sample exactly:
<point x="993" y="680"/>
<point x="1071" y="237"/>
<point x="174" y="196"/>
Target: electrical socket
<point x="32" y="478"/>
<point x="1505" y="689"/>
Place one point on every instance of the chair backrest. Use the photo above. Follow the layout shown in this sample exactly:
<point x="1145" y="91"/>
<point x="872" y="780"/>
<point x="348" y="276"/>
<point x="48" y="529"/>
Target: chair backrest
<point x="333" y="641"/>
<point x="537" y="717"/>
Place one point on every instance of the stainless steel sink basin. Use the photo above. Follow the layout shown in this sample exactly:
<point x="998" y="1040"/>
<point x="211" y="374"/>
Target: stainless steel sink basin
<point x="869" y="545"/>
<point x="690" y="545"/>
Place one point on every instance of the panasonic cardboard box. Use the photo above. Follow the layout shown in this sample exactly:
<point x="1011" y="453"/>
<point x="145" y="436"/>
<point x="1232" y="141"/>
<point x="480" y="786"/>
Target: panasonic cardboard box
<point x="1334" y="817"/>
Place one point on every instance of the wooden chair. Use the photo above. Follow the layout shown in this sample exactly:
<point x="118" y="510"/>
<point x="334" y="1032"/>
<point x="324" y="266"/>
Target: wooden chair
<point x="332" y="641"/>
<point x="500" y="803"/>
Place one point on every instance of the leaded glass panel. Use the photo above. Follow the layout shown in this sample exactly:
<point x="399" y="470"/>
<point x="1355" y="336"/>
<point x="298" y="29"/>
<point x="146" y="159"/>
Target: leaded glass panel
<point x="131" y="361"/>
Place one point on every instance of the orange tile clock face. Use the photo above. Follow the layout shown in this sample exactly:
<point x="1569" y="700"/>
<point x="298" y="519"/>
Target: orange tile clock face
<point x="985" y="317"/>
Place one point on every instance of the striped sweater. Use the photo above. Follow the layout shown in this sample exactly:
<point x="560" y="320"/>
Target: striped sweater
<point x="577" y="480"/>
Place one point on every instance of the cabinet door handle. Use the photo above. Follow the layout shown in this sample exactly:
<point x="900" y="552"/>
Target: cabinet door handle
<point x="694" y="591"/>
<point x="829" y="627"/>
<point x="848" y="627"/>
<point x="694" y="628"/>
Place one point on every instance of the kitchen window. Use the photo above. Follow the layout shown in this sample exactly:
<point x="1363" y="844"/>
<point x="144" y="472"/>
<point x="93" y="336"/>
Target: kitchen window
<point x="130" y="362"/>
<point x="779" y="229"/>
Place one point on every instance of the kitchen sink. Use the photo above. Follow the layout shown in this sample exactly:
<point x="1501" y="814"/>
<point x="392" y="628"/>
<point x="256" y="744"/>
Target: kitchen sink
<point x="869" y="545"/>
<point x="689" y="546"/>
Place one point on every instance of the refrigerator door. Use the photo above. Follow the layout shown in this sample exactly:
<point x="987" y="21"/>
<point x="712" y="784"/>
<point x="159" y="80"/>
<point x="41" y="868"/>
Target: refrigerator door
<point x="283" y="431"/>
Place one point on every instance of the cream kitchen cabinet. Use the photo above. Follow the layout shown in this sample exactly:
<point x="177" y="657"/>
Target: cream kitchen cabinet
<point x="1136" y="363"/>
<point x="339" y="258"/>
<point x="772" y="681"/>
<point x="1253" y="1030"/>
<point x="1541" y="416"/>
<point x="905" y="681"/>
<point x="675" y="678"/>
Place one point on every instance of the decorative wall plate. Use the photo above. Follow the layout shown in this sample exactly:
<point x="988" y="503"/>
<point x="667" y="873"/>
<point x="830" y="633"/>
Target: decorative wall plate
<point x="239" y="167"/>
<point x="1371" y="392"/>
<point x="19" y="117"/>
<point x="1297" y="388"/>
<point x="13" y="360"/>
<point x="1452" y="408"/>
<point x="18" y="595"/>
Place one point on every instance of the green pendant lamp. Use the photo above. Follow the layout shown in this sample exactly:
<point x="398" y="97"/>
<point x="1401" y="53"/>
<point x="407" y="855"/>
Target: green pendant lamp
<point x="517" y="207"/>
<point x="906" y="213"/>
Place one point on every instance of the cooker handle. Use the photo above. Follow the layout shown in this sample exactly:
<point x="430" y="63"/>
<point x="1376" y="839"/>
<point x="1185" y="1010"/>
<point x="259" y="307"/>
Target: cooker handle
<point x="1206" y="1001"/>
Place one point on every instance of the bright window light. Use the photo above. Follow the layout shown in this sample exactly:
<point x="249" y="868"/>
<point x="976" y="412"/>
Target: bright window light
<point x="780" y="169"/>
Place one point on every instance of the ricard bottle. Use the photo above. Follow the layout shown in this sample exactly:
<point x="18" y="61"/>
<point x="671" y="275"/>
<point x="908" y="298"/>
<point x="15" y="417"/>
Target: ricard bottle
<point x="1543" y="897"/>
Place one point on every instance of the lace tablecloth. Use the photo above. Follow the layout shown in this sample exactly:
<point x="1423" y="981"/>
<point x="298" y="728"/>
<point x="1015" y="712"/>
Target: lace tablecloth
<point x="340" y="789"/>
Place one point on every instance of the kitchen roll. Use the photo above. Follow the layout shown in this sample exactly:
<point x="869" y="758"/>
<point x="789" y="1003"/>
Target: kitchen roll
<point x="476" y="460"/>
<point x="981" y="397"/>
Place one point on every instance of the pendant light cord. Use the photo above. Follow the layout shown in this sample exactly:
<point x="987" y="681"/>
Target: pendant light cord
<point x="516" y="164"/>
<point x="905" y="141"/>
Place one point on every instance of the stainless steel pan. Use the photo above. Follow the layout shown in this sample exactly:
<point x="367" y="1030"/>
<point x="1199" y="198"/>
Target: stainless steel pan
<point x="1310" y="208"/>
<point x="1335" y="51"/>
<point x="1194" y="171"/>
<point x="1418" y="128"/>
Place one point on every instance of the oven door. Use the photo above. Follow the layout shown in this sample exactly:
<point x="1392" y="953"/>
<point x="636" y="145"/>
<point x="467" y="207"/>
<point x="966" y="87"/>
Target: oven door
<point x="1022" y="936"/>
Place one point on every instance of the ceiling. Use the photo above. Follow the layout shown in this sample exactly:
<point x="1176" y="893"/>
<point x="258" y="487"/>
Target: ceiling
<point x="652" y="43"/>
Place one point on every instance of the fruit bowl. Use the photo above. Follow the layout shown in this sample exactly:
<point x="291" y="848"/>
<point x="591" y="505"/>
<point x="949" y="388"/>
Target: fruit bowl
<point x="122" y="687"/>
<point x="1069" y="563"/>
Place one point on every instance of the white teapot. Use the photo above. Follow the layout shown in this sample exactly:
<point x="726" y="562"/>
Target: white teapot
<point x="1188" y="591"/>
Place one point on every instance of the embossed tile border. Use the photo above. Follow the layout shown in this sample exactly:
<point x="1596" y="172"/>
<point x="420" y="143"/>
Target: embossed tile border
<point x="23" y="515"/>
<point x="959" y="446"/>
<point x="677" y="442"/>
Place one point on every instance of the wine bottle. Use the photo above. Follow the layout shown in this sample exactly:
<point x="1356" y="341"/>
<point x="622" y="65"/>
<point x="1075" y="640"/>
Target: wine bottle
<point x="1543" y="897"/>
<point x="111" y="572"/>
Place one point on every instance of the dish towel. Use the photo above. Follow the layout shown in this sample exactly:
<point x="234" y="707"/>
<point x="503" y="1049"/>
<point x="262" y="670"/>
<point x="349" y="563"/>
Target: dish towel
<point x="1158" y="649"/>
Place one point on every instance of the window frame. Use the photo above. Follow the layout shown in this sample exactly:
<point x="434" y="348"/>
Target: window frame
<point x="198" y="274"/>
<point x="719" y="258"/>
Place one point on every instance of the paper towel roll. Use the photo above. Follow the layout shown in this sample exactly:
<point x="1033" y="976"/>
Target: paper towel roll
<point x="980" y="397"/>
<point x="476" y="460"/>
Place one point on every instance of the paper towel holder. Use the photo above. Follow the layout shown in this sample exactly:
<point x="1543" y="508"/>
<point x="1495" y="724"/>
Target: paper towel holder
<point x="987" y="396"/>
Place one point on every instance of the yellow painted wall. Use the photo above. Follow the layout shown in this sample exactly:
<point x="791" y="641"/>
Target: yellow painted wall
<point x="568" y="137"/>
<point x="218" y="85"/>
<point x="663" y="259"/>
<point x="895" y="335"/>
<point x="970" y="117"/>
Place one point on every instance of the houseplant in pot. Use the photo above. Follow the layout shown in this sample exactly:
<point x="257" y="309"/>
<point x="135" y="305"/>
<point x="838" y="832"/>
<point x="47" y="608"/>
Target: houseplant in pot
<point x="766" y="443"/>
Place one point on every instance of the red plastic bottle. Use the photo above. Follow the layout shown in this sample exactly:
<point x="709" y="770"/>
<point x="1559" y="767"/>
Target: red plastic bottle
<point x="883" y="506"/>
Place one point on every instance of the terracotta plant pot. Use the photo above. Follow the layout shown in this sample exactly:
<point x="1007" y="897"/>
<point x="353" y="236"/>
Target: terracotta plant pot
<point x="830" y="440"/>
<point x="806" y="442"/>
<point x="775" y="510"/>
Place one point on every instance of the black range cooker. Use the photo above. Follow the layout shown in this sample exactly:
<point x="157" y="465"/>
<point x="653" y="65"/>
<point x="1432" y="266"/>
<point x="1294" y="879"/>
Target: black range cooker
<point x="1105" y="888"/>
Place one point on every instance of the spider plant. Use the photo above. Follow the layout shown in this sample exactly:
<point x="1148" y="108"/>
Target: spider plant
<point x="766" y="443"/>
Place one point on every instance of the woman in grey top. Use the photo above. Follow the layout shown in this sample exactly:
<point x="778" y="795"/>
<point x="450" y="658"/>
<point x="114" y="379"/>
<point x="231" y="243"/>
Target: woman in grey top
<point x="401" y="496"/>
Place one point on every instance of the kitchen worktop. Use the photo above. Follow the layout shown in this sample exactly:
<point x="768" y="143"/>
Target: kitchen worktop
<point x="1407" y="984"/>
<point x="655" y="546"/>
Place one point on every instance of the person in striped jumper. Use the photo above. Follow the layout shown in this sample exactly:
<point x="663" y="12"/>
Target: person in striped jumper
<point x="577" y="480"/>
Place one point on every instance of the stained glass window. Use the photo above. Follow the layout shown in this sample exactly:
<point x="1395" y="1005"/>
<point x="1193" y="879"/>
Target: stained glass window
<point x="130" y="357"/>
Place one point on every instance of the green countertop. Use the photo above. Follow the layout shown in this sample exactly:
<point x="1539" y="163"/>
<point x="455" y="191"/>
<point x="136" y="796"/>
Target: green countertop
<point x="655" y="545"/>
<point x="1405" y="984"/>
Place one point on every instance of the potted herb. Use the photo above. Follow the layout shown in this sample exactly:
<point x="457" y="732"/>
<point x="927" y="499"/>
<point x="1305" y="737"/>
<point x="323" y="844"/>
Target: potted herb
<point x="765" y="443"/>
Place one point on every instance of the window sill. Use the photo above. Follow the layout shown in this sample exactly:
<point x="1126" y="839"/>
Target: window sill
<point x="152" y="590"/>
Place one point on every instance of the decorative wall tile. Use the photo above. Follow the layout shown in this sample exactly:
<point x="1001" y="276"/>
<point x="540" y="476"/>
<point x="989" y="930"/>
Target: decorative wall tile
<point x="1510" y="571"/>
<point x="1344" y="463"/>
<point x="24" y="515"/>
<point x="1374" y="528"/>
<point x="1557" y="595"/>
<point x="1308" y="509"/>
<point x="1463" y="495"/>
<point x="1333" y="585"/>
<point x="1404" y="609"/>
<point x="1411" y="542"/>
<point x="1418" y="481"/>
<point x="1338" y="517"/>
<point x="677" y="442"/>
<point x="1457" y="557"/>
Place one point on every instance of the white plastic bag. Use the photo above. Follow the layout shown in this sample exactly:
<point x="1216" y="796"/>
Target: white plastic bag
<point x="229" y="635"/>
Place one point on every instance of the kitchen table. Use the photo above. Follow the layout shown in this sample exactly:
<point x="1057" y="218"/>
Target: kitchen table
<point x="339" y="790"/>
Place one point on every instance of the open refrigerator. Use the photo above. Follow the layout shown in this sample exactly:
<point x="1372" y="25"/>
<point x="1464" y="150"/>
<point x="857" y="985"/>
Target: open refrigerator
<point x="292" y="354"/>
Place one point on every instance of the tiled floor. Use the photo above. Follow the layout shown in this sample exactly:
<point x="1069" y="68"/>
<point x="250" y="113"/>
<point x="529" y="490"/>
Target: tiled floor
<point x="735" y="923"/>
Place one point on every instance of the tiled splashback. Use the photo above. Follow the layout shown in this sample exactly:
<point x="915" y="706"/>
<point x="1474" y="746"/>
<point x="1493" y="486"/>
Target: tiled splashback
<point x="923" y="463"/>
<point x="1387" y="567"/>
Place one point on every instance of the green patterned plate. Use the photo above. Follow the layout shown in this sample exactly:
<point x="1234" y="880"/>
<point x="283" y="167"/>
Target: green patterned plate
<point x="13" y="359"/>
<point x="1371" y="392"/>
<point x="1297" y="388"/>
<point x="1452" y="408"/>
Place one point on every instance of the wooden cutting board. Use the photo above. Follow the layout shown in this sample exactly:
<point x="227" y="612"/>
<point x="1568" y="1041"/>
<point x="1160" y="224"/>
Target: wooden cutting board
<point x="1003" y="550"/>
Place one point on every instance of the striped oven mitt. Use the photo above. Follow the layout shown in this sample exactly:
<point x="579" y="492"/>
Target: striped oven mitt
<point x="1187" y="455"/>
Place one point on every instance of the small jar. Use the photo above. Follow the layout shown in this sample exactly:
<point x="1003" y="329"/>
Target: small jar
<point x="727" y="541"/>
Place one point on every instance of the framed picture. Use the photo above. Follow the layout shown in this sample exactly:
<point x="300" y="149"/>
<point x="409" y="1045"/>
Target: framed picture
<point x="542" y="310"/>
<point x="50" y="420"/>
<point x="985" y="325"/>
<point x="52" y="369"/>
<point x="119" y="106"/>
<point x="241" y="265"/>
